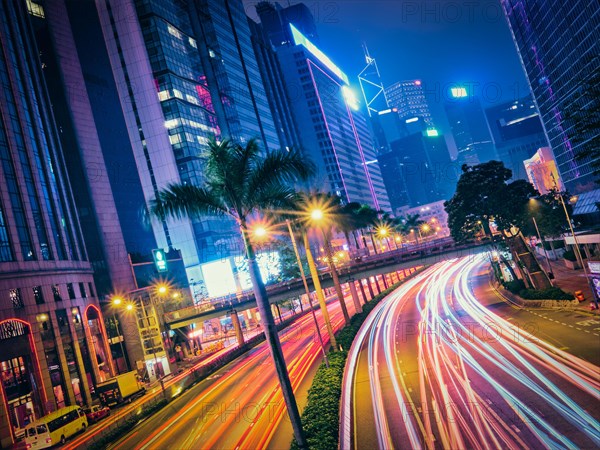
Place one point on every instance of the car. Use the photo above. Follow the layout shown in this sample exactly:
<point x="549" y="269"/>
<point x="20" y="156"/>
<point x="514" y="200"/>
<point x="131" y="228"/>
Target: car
<point x="96" y="412"/>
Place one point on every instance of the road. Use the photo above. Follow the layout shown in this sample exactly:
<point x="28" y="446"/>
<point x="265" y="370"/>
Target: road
<point x="241" y="405"/>
<point x="443" y="363"/>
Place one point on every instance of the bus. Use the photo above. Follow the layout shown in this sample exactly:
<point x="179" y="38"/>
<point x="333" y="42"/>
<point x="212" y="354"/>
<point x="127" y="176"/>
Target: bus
<point x="55" y="428"/>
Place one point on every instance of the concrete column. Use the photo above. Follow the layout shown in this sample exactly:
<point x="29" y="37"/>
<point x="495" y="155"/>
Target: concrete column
<point x="44" y="373"/>
<point x="394" y="277"/>
<point x="85" y="387"/>
<point x="371" y="293"/>
<point x="362" y="291"/>
<point x="355" y="299"/>
<point x="385" y="282"/>
<point x="64" y="367"/>
<point x="376" y="284"/>
<point x="235" y="320"/>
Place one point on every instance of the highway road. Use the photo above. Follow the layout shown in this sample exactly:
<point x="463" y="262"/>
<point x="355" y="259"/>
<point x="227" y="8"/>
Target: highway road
<point x="443" y="363"/>
<point x="241" y="405"/>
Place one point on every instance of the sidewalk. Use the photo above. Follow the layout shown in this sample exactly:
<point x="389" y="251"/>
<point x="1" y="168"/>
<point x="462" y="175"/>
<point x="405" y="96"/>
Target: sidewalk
<point x="572" y="280"/>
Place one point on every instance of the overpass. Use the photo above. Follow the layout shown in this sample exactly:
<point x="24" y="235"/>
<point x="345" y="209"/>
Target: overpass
<point x="400" y="259"/>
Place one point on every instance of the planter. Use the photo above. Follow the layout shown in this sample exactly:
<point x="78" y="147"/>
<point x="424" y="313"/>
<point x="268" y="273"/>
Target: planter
<point x="573" y="265"/>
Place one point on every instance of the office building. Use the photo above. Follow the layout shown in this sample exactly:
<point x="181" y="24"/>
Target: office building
<point x="268" y="65"/>
<point x="417" y="170"/>
<point x="409" y="99"/>
<point x="558" y="43"/>
<point x="335" y="133"/>
<point x="517" y="133"/>
<point x="542" y="172"/>
<point x="53" y="345"/>
<point x="469" y="127"/>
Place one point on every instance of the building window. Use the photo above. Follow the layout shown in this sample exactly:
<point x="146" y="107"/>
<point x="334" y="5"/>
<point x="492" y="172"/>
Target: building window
<point x="38" y="295"/>
<point x="82" y="290"/>
<point x="56" y="293"/>
<point x="71" y="291"/>
<point x="16" y="299"/>
<point x="91" y="289"/>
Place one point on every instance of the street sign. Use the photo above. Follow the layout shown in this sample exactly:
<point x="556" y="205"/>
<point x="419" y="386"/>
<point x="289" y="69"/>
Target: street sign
<point x="160" y="260"/>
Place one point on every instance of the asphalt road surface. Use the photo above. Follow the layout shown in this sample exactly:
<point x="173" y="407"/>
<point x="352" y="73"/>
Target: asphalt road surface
<point x="444" y="363"/>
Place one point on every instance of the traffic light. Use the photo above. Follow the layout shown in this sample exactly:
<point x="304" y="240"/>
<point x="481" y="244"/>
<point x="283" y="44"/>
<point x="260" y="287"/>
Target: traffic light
<point x="160" y="260"/>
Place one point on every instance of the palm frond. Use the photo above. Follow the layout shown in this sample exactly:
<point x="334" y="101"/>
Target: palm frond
<point x="279" y="167"/>
<point x="181" y="200"/>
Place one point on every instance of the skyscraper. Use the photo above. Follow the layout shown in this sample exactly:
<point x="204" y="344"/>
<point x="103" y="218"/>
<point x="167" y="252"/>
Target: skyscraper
<point x="334" y="132"/>
<point x="559" y="46"/>
<point x="53" y="345"/>
<point x="409" y="99"/>
<point x="469" y="128"/>
<point x="517" y="133"/>
<point x="417" y="170"/>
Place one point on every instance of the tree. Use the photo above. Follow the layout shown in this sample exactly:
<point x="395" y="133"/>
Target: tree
<point x="483" y="194"/>
<point x="240" y="182"/>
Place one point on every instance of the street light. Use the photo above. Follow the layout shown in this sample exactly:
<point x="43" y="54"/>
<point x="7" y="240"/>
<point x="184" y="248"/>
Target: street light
<point x="261" y="232"/>
<point x="317" y="215"/>
<point x="118" y="301"/>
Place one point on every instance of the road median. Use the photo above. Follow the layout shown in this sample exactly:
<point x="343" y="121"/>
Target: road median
<point x="321" y="416"/>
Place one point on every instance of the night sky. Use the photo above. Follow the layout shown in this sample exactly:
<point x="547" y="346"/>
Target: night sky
<point x="440" y="42"/>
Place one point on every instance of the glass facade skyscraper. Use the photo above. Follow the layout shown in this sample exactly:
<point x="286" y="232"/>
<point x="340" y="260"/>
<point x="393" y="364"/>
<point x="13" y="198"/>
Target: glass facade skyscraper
<point x="409" y="99"/>
<point x="559" y="46"/>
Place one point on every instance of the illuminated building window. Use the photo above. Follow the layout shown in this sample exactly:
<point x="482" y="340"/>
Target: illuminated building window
<point x="34" y="9"/>
<point x="175" y="139"/>
<point x="164" y="95"/>
<point x="174" y="31"/>
<point x="56" y="293"/>
<point x="16" y="299"/>
<point x="38" y="295"/>
<point x="192" y="42"/>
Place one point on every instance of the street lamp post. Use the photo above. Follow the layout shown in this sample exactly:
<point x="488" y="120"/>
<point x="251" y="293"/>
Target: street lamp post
<point x="317" y="215"/>
<point x="289" y="225"/>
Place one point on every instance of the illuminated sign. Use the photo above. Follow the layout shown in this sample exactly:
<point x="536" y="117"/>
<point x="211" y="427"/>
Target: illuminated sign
<point x="350" y="98"/>
<point x="300" y="39"/>
<point x="160" y="260"/>
<point x="412" y="119"/>
<point x="458" y="92"/>
<point x="432" y="132"/>
<point x="418" y="82"/>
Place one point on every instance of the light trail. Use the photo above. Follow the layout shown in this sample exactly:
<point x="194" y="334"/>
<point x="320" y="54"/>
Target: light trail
<point x="482" y="382"/>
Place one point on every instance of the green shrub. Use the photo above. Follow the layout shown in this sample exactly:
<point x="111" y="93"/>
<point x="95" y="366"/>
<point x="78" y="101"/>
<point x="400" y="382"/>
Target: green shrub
<point x="552" y="293"/>
<point x="514" y="286"/>
<point x="320" y="418"/>
<point x="569" y="255"/>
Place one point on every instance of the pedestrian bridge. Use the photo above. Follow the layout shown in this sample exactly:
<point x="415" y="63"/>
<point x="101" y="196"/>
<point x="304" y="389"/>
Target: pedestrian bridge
<point x="400" y="259"/>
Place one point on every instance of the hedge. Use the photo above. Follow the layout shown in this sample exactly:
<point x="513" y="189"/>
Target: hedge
<point x="552" y="293"/>
<point x="320" y="419"/>
<point x="518" y="287"/>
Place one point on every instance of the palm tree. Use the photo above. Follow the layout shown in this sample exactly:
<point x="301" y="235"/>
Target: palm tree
<point x="411" y="223"/>
<point x="240" y="181"/>
<point x="366" y="218"/>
